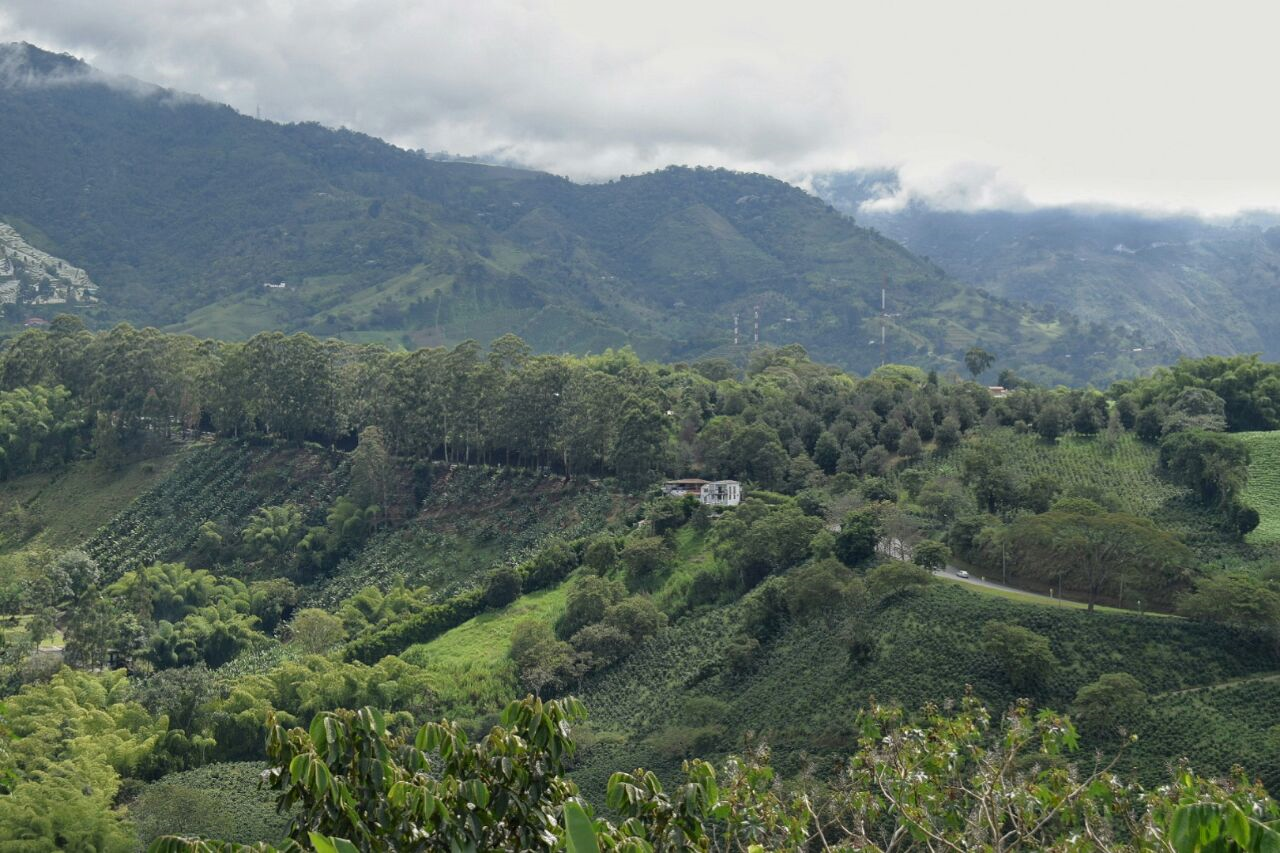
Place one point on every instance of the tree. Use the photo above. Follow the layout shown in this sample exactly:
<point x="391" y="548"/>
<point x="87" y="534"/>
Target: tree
<point x="910" y="446"/>
<point x="1051" y="421"/>
<point x="977" y="360"/>
<point x="931" y="554"/>
<point x="316" y="631"/>
<point x="1091" y="413"/>
<point x="760" y="540"/>
<point x="1238" y="599"/>
<point x="273" y="531"/>
<point x="826" y="452"/>
<point x="823" y="585"/>
<point x="1114" y="703"/>
<point x="948" y="433"/>
<point x="541" y="660"/>
<point x="894" y="576"/>
<point x="1213" y="465"/>
<point x="107" y="449"/>
<point x="639" y="453"/>
<point x="859" y="535"/>
<point x="985" y="471"/>
<point x="587" y="602"/>
<point x="644" y="557"/>
<point x="502" y="587"/>
<point x="372" y="471"/>
<point x="1025" y="656"/>
<point x="601" y="554"/>
<point x="77" y="573"/>
<point x="636" y="617"/>
<point x="1080" y="544"/>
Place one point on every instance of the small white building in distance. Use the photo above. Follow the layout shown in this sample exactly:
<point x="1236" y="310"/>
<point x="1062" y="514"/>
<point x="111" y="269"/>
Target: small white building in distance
<point x="721" y="493"/>
<point x="718" y="493"/>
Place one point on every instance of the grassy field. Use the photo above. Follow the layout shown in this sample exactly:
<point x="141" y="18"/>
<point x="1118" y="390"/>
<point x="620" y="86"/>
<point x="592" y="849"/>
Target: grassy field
<point x="1263" y="491"/>
<point x="470" y="671"/>
<point x="66" y="506"/>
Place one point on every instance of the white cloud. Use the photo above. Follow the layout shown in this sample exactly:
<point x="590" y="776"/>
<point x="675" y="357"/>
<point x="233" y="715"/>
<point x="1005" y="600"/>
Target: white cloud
<point x="961" y="186"/>
<point x="1141" y="103"/>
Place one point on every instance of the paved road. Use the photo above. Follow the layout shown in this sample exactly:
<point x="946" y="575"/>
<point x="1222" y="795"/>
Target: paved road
<point x="951" y="573"/>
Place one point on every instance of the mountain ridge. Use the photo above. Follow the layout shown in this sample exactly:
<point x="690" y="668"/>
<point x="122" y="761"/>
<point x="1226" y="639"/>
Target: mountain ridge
<point x="183" y="210"/>
<point x="1203" y="286"/>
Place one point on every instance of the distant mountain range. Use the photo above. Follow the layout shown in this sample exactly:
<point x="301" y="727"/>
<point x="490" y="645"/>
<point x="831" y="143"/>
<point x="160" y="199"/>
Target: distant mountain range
<point x="187" y="214"/>
<point x="1204" y="287"/>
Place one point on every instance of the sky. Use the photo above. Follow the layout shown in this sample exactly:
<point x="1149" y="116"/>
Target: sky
<point x="1161" y="105"/>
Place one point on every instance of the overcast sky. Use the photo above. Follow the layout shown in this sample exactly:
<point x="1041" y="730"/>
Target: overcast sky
<point x="1159" y="104"/>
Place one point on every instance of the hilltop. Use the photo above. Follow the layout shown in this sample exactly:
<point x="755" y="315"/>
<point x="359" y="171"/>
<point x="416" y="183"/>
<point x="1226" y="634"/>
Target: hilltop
<point x="190" y="215"/>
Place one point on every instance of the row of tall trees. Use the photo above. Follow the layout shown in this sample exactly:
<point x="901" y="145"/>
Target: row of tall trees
<point x="778" y="422"/>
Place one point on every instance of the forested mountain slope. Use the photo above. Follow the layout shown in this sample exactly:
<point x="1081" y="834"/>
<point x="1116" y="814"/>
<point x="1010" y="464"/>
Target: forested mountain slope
<point x="1202" y="287"/>
<point x="183" y="211"/>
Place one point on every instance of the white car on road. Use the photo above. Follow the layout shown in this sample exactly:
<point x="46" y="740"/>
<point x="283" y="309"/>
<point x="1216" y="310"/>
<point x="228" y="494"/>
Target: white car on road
<point x="962" y="574"/>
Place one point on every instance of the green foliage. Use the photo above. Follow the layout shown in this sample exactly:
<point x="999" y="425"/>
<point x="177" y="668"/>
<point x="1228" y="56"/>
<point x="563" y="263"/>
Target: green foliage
<point x="758" y="540"/>
<point x="1086" y="548"/>
<point x="502" y="587"/>
<point x="217" y="801"/>
<point x="1214" y="466"/>
<point x="315" y="631"/>
<point x="1236" y="599"/>
<point x="1110" y="706"/>
<point x="931" y="554"/>
<point x="38" y="426"/>
<point x="858" y="537"/>
<point x="1027" y="657"/>
<point x="272" y="532"/>
<point x="894" y="577"/>
<point x="1248" y="387"/>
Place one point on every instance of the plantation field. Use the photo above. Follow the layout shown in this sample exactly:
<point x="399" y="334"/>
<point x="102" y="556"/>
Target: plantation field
<point x="1127" y="470"/>
<point x="470" y="671"/>
<point x="224" y="482"/>
<point x="803" y="691"/>
<point x="1263" y="491"/>
<point x="63" y="508"/>
<point x="472" y="519"/>
<point x="1222" y="726"/>
<point x="216" y="801"/>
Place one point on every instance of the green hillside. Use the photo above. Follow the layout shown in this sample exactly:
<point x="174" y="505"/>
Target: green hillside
<point x="1263" y="491"/>
<point x="273" y="529"/>
<point x="194" y="208"/>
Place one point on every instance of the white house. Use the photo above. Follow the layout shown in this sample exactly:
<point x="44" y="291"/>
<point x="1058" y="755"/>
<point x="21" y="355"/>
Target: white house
<point x="718" y="493"/>
<point x="721" y="493"/>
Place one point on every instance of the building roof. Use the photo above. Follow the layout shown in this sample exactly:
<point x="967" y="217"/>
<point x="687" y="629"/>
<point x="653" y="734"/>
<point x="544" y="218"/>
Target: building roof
<point x="689" y="482"/>
<point x="723" y="483"/>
